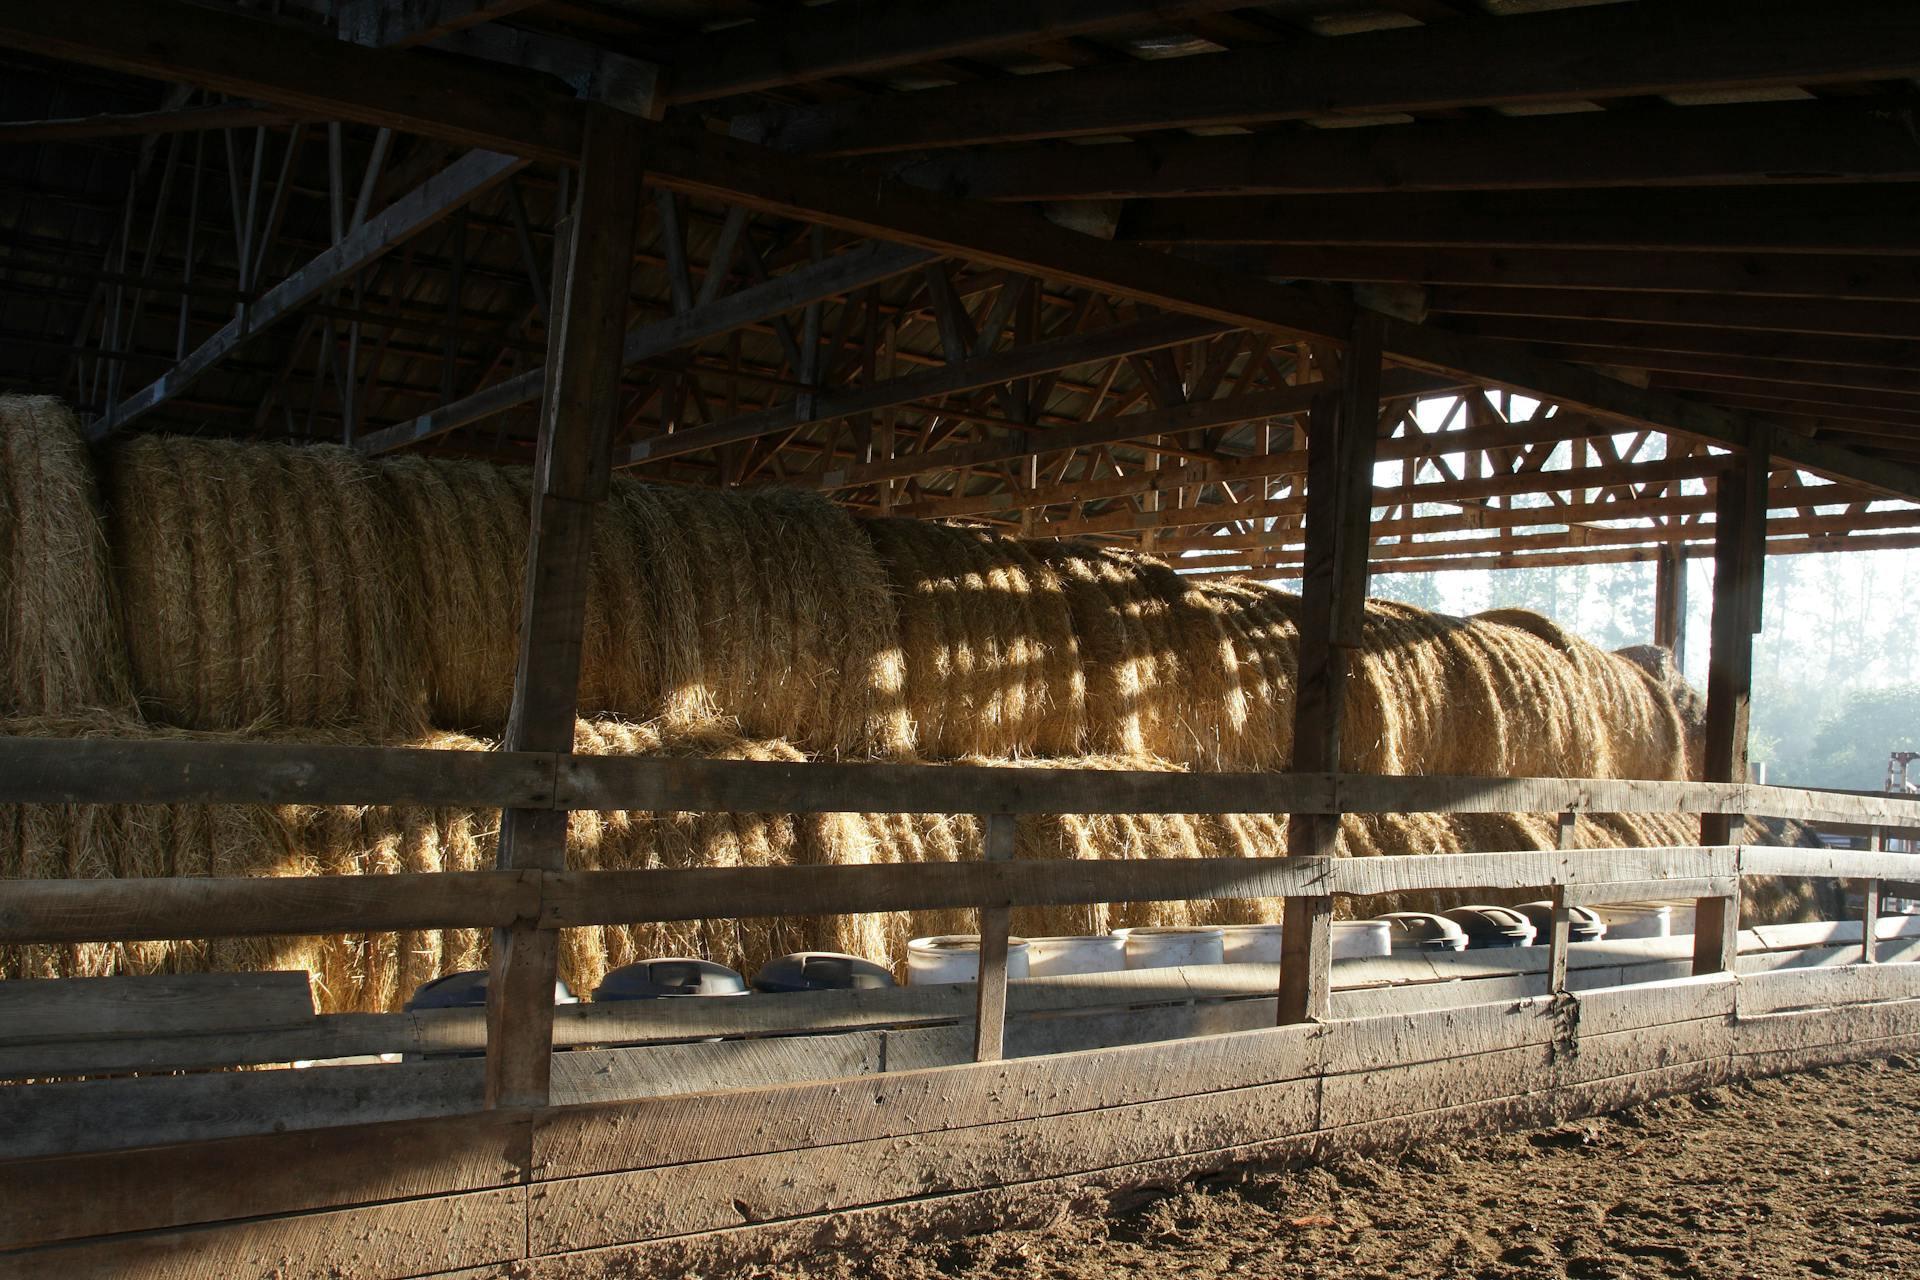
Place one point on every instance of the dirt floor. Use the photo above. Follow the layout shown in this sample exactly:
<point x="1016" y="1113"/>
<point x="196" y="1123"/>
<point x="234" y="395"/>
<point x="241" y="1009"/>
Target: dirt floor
<point x="1808" y="1175"/>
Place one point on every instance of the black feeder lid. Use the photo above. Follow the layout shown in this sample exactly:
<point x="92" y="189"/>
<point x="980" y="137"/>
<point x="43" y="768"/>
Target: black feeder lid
<point x="467" y="989"/>
<point x="1492" y="926"/>
<point x="1424" y="931"/>
<point x="1583" y="923"/>
<point x="669" y="979"/>
<point x="821" y="971"/>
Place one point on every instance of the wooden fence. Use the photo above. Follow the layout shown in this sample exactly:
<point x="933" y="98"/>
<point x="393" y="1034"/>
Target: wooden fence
<point x="883" y="1126"/>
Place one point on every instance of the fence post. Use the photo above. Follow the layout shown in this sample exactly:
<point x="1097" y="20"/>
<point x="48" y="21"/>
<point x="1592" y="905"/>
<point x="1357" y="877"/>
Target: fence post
<point x="1739" y="563"/>
<point x="1342" y="443"/>
<point x="572" y="465"/>
<point x="1870" y="905"/>
<point x="990" y="1008"/>
<point x="1562" y="933"/>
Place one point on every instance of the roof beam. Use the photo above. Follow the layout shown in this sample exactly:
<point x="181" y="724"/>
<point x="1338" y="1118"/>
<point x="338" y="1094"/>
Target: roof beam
<point x="814" y="282"/>
<point x="1800" y="374"/>
<point x="1863" y="219"/>
<point x="440" y="195"/>
<point x="140" y="124"/>
<point x="1759" y="344"/>
<point x="1756" y="143"/>
<point x="1803" y="275"/>
<point x="1620" y="50"/>
<point x="1129" y="338"/>
<point x="1259" y="466"/>
<point x="391" y="24"/>
<point x="1228" y="411"/>
<point x="249" y="57"/>
<point x="847" y="39"/>
<point x="1791" y="315"/>
<point x="1288" y="564"/>
<point x="1579" y="536"/>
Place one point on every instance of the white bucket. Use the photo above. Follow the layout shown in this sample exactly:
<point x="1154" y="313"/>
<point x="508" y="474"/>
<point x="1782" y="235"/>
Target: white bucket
<point x="1637" y="919"/>
<point x="955" y="957"/>
<point x="1048" y="957"/>
<point x="1681" y="918"/>
<point x="1163" y="948"/>
<point x="1251" y="943"/>
<point x="1355" y="938"/>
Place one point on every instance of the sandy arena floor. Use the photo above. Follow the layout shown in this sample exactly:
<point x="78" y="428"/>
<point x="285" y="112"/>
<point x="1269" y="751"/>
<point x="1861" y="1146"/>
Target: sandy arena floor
<point x="1809" y="1175"/>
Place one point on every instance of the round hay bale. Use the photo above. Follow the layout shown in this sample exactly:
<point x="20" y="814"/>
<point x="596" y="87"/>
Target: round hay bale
<point x="466" y="524"/>
<point x="1163" y="678"/>
<point x="1688" y="704"/>
<point x="60" y="638"/>
<point x="991" y="661"/>
<point x="262" y="587"/>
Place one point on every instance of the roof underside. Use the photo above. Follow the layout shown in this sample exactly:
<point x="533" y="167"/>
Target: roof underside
<point x="1711" y="204"/>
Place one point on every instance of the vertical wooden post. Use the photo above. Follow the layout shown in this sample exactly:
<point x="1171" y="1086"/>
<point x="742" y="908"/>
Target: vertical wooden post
<point x="1670" y="602"/>
<point x="990" y="1008"/>
<point x="1562" y="935"/>
<point x="571" y="478"/>
<point x="1739" y="563"/>
<point x="1341" y="446"/>
<point x="1870" y="906"/>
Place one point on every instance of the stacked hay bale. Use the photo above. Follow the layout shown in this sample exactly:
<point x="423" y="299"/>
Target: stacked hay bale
<point x="766" y="608"/>
<point x="991" y="662"/>
<point x="1613" y="704"/>
<point x="262" y="586"/>
<point x="308" y="594"/>
<point x="1161" y="670"/>
<point x="60" y="640"/>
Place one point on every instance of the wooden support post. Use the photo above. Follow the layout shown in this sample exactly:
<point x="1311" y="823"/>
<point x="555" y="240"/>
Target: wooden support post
<point x="1739" y="563"/>
<point x="1562" y="934"/>
<point x="571" y="478"/>
<point x="1870" y="905"/>
<point x="990" y="1009"/>
<point x="1341" y="448"/>
<point x="1670" y="601"/>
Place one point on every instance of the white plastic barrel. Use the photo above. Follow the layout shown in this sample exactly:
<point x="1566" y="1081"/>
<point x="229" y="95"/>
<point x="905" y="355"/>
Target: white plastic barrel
<point x="1050" y="957"/>
<point x="1163" y="948"/>
<point x="1637" y="919"/>
<point x="955" y="957"/>
<point x="1355" y="938"/>
<point x="1251" y="943"/>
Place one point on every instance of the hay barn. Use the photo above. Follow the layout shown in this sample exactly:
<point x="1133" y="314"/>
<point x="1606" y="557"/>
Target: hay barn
<point x="518" y="516"/>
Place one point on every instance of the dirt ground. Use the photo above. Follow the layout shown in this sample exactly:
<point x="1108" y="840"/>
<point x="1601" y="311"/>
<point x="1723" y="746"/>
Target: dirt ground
<point x="1808" y="1175"/>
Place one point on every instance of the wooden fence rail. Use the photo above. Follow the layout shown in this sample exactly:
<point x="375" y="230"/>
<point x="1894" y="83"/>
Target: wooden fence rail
<point x="122" y="771"/>
<point x="107" y="910"/>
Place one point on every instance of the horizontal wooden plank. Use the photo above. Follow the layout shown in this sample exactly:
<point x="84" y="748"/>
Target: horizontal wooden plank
<point x="1527" y="870"/>
<point x="577" y="1213"/>
<point x="377" y="1242"/>
<point x="249" y="1177"/>
<point x="629" y="782"/>
<point x="605" y="897"/>
<point x="1036" y="1204"/>
<point x="233" y="907"/>
<point x="151" y="1004"/>
<point x="125" y="771"/>
<point x="103" y="771"/>
<point x="1828" y="987"/>
<point x="107" y="1115"/>
<point x="1588" y="894"/>
<point x="105" y="909"/>
<point x="1850" y="864"/>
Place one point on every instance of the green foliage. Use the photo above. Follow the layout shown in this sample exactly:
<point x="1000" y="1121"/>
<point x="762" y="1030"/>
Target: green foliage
<point x="1849" y="748"/>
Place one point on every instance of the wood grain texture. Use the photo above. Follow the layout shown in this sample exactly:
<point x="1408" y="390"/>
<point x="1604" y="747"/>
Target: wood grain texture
<point x="377" y="1242"/>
